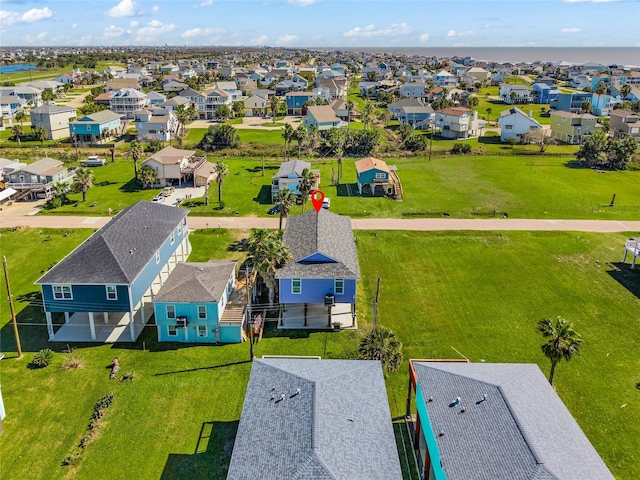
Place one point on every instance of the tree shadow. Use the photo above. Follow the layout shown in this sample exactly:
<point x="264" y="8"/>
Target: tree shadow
<point x="347" y="190"/>
<point x="131" y="186"/>
<point x="625" y="276"/>
<point x="211" y="456"/>
<point x="490" y="140"/>
<point x="264" y="195"/>
<point x="32" y="328"/>
<point x="258" y="169"/>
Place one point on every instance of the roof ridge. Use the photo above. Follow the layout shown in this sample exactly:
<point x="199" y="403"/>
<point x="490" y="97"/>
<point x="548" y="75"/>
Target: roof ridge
<point x="115" y="258"/>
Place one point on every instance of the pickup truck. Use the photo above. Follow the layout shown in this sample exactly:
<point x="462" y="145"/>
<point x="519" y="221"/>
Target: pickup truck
<point x="166" y="191"/>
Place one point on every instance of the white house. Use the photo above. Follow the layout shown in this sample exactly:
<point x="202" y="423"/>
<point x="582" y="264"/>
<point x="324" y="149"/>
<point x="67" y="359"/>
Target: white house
<point x="514" y="123"/>
<point x="156" y="123"/>
<point x="445" y="79"/>
<point x="512" y="94"/>
<point x="457" y="122"/>
<point x="127" y="101"/>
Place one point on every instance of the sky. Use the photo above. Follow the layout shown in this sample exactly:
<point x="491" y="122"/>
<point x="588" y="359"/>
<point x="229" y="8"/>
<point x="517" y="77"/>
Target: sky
<point x="322" y="23"/>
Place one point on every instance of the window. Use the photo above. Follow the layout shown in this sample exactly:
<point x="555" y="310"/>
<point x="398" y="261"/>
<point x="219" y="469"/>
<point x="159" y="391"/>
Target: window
<point x="112" y="292"/>
<point x="172" y="330"/>
<point x="202" y="330"/>
<point x="202" y="312"/>
<point x="508" y="127"/>
<point x="158" y="256"/>
<point x="171" y="312"/>
<point x="381" y="175"/>
<point x="296" y="285"/>
<point x="338" y="286"/>
<point x="173" y="238"/>
<point x="62" y="292"/>
<point x="180" y="228"/>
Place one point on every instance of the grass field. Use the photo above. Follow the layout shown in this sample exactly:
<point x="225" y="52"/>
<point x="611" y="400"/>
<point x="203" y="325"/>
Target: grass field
<point x="461" y="186"/>
<point x="480" y="293"/>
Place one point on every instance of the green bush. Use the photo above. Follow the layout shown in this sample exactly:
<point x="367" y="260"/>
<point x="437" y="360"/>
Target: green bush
<point x="461" y="148"/>
<point x="43" y="358"/>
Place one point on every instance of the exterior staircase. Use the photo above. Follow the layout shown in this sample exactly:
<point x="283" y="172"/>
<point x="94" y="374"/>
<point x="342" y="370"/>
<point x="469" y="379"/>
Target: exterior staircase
<point x="233" y="314"/>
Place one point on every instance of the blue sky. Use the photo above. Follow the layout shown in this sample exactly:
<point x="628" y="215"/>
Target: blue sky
<point x="323" y="23"/>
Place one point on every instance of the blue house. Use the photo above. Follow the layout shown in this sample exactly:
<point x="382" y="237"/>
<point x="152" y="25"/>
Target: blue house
<point x="95" y="127"/>
<point x="289" y="176"/>
<point x="373" y="176"/>
<point x="318" y="286"/>
<point x="544" y="93"/>
<point x="571" y="102"/>
<point x="114" y="275"/>
<point x="296" y="102"/>
<point x="601" y="104"/>
<point x="197" y="304"/>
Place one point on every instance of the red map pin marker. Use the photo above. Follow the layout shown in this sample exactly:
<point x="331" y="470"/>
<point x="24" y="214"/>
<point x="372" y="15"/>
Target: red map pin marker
<point x="317" y="197"/>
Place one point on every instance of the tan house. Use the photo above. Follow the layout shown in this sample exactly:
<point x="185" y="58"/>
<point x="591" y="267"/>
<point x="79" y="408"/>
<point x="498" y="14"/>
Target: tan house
<point x="118" y="83"/>
<point x="255" y="106"/>
<point x="38" y="178"/>
<point x="572" y="127"/>
<point x="54" y="119"/>
<point x="624" y="123"/>
<point x="174" y="166"/>
<point x="323" y="117"/>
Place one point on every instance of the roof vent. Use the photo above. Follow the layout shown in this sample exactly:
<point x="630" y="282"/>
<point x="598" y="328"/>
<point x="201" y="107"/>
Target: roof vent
<point x="441" y="433"/>
<point x="455" y="402"/>
<point x="431" y="398"/>
<point x="484" y="398"/>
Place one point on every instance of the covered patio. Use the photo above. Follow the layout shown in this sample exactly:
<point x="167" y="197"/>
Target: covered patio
<point x="103" y="327"/>
<point x="316" y="316"/>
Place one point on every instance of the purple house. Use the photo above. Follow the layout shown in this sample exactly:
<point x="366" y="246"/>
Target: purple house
<point x="318" y="287"/>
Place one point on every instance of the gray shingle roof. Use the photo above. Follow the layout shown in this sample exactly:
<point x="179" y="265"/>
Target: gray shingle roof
<point x="521" y="431"/>
<point x="196" y="282"/>
<point x="44" y="109"/>
<point x="323" y="232"/>
<point x="337" y="428"/>
<point x="118" y="252"/>
<point x="292" y="167"/>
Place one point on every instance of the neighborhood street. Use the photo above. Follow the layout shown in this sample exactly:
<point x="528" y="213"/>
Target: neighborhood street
<point x="10" y="219"/>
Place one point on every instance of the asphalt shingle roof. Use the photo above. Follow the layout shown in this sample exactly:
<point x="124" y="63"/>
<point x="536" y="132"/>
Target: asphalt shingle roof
<point x="323" y="232"/>
<point x="196" y="282"/>
<point x="292" y="167"/>
<point x="118" y="252"/>
<point x="337" y="428"/>
<point x="521" y="431"/>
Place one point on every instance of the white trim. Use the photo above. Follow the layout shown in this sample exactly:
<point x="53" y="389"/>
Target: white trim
<point x="205" y="312"/>
<point x="172" y="237"/>
<point x="172" y="328"/>
<point x="115" y="292"/>
<point x="335" y="286"/>
<point x="202" y="331"/>
<point x="157" y="257"/>
<point x="166" y="307"/>
<point x="61" y="295"/>
<point x="293" y="292"/>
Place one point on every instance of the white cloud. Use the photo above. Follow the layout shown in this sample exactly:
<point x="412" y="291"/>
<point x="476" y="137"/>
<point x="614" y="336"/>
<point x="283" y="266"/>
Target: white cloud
<point x="371" y="31"/>
<point x="152" y="30"/>
<point x="10" y="18"/>
<point x="126" y="8"/>
<point x="112" y="32"/>
<point x="302" y="3"/>
<point x="39" y="39"/>
<point x="261" y="40"/>
<point x="155" y="9"/>
<point x="454" y="34"/>
<point x="205" y="3"/>
<point x="75" y="25"/>
<point x="284" y="39"/>
<point x="424" y="37"/>
<point x="571" y="30"/>
<point x="134" y="23"/>
<point x="201" y="32"/>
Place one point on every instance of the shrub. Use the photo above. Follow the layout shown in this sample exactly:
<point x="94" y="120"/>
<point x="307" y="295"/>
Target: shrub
<point x="461" y="148"/>
<point x="128" y="377"/>
<point x="415" y="143"/>
<point x="43" y="358"/>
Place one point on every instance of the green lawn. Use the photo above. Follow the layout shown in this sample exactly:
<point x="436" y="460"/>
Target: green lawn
<point x="480" y="293"/>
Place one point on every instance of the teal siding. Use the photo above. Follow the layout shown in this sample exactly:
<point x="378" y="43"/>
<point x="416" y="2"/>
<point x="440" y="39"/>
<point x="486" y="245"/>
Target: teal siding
<point x="437" y="472"/>
<point x="370" y="176"/>
<point x="87" y="298"/>
<point x="230" y="333"/>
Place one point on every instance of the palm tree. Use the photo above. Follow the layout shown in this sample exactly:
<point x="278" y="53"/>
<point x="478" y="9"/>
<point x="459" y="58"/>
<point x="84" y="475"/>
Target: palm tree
<point x="288" y="135"/>
<point x="307" y="183"/>
<point x="301" y="135"/>
<point x="366" y="114"/>
<point x="20" y="116"/>
<point x="17" y="131"/>
<point x="136" y="151"/>
<point x="489" y="112"/>
<point x="269" y="253"/>
<point x="586" y="106"/>
<point x="563" y="341"/>
<point x="382" y="344"/>
<point x="513" y="96"/>
<point x="624" y="90"/>
<point x="40" y="134"/>
<point x="285" y="198"/>
<point x="350" y="106"/>
<point x="83" y="181"/>
<point x="221" y="171"/>
<point x="274" y="104"/>
<point x="182" y="115"/>
<point x="223" y="113"/>
<point x="146" y="176"/>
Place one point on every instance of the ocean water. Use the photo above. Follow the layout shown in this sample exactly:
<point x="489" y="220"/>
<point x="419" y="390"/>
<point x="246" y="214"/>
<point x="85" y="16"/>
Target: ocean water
<point x="576" y="55"/>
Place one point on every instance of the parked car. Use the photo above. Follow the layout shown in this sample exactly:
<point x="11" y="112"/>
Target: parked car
<point x="274" y="210"/>
<point x="326" y="203"/>
<point x="158" y="199"/>
<point x="93" y="161"/>
<point x="166" y="191"/>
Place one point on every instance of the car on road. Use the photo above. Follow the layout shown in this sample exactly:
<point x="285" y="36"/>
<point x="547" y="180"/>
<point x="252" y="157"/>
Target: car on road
<point x="326" y="203"/>
<point x="274" y="210"/>
<point x="158" y="199"/>
<point x="166" y="191"/>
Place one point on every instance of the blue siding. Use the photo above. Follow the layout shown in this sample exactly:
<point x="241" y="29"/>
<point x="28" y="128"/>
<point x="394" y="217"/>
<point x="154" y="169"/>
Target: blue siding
<point x="296" y="101"/>
<point x="317" y="258"/>
<point x="370" y="176"/>
<point x="142" y="282"/>
<point x="190" y="333"/>
<point x="230" y="333"/>
<point x="314" y="290"/>
<point x="87" y="298"/>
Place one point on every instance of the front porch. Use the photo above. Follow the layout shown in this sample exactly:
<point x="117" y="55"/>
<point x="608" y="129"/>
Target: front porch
<point x="316" y="316"/>
<point x="103" y="327"/>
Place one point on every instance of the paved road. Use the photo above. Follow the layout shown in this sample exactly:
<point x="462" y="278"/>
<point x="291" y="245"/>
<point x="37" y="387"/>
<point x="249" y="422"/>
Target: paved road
<point x="8" y="220"/>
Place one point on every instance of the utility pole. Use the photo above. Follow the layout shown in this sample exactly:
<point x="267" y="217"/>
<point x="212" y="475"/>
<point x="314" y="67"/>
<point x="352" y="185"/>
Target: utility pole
<point x="432" y="123"/>
<point x="375" y="304"/>
<point x="13" y="312"/>
<point x="249" y="318"/>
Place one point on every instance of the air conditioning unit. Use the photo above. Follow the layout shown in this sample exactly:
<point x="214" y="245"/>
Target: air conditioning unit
<point x="182" y="322"/>
<point x="329" y="299"/>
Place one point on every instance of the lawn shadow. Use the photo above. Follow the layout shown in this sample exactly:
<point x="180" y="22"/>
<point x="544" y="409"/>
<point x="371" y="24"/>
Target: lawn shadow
<point x="258" y="169"/>
<point x="32" y="329"/>
<point x="211" y="457"/>
<point x="198" y="369"/>
<point x="347" y="190"/>
<point x="271" y="330"/>
<point x="131" y="186"/>
<point x="264" y="195"/>
<point x="490" y="140"/>
<point x="625" y="276"/>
